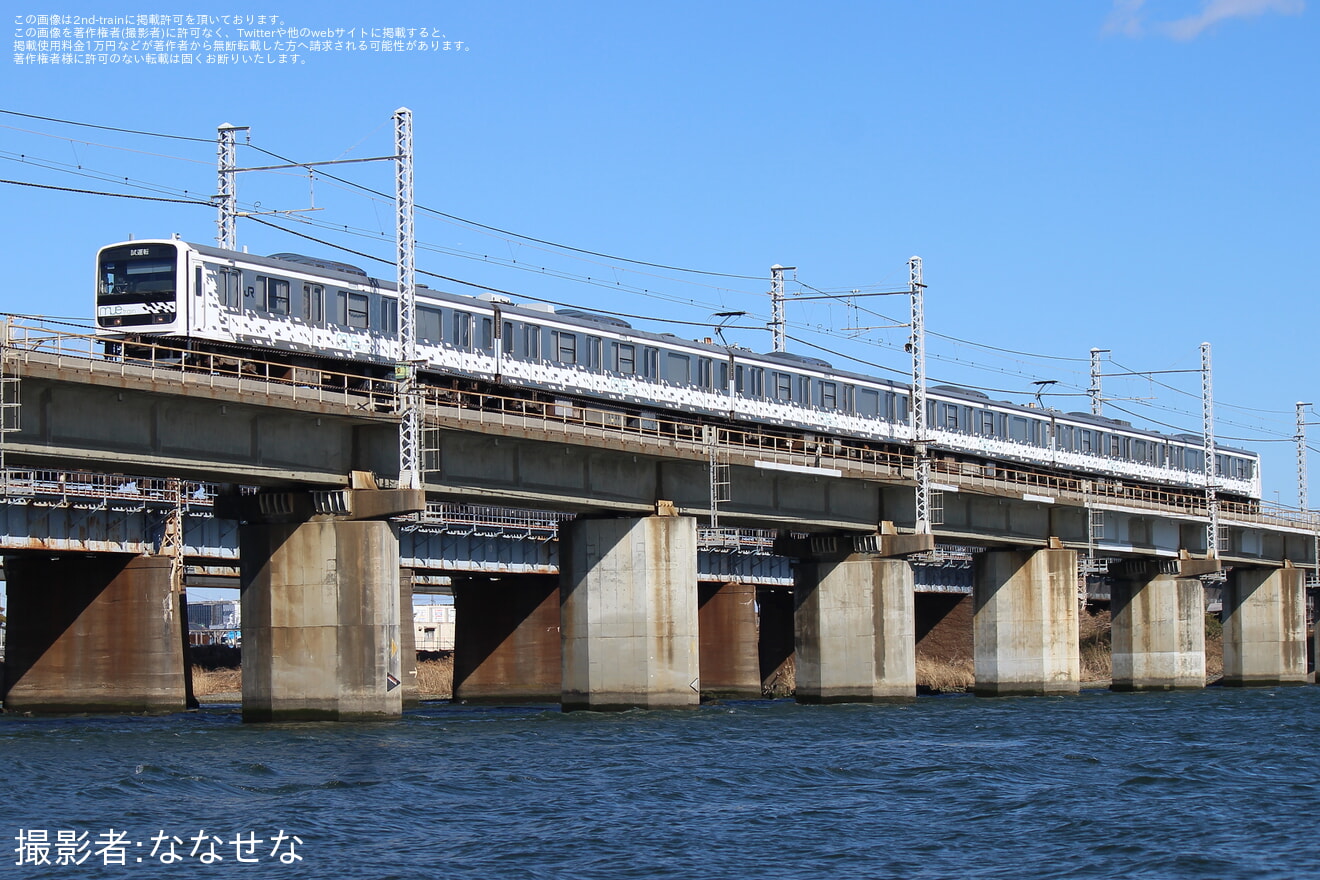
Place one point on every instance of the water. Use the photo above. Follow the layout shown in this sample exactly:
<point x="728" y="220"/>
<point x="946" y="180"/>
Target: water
<point x="1213" y="784"/>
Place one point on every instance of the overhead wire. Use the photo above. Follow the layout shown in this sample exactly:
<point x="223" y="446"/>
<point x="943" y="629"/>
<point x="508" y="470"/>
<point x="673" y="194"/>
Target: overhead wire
<point x="489" y="289"/>
<point x="843" y="297"/>
<point x="110" y="194"/>
<point x="157" y="134"/>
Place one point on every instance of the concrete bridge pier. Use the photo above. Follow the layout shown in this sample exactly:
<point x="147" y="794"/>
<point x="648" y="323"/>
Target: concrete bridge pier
<point x="855" y="619"/>
<point x="1158" y="625"/>
<point x="628" y="612"/>
<point x="729" y="641"/>
<point x="1265" y="627"/>
<point x="319" y="574"/>
<point x="506" y="639"/>
<point x="94" y="634"/>
<point x="1024" y="625"/>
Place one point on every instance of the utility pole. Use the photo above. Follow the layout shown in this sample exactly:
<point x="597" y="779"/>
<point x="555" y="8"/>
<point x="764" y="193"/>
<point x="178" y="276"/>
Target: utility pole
<point x="1094" y="391"/>
<point x="777" y="321"/>
<point x="410" y="423"/>
<point x="917" y="346"/>
<point x="1208" y="441"/>
<point x="226" y="194"/>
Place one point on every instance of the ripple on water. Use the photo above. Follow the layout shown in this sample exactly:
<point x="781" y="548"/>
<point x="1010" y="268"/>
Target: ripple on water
<point x="1206" y="784"/>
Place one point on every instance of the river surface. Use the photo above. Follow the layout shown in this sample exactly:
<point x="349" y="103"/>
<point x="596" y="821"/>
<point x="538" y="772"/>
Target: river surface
<point x="1216" y="784"/>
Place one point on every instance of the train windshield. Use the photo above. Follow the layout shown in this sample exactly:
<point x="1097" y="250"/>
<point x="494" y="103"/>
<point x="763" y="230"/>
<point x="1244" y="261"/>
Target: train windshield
<point x="137" y="284"/>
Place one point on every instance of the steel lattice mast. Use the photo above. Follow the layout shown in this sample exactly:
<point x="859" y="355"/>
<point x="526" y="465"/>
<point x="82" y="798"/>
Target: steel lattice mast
<point x="405" y="236"/>
<point x="1301" y="456"/>
<point x="226" y="192"/>
<point x="917" y="346"/>
<point x="777" y="320"/>
<point x="1097" y="402"/>
<point x="1208" y="441"/>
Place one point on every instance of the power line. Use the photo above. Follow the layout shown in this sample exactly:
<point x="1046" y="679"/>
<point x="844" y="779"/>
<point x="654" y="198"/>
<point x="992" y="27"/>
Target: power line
<point x="519" y="235"/>
<point x="176" y="137"/>
<point x="90" y="192"/>
<point x="489" y="289"/>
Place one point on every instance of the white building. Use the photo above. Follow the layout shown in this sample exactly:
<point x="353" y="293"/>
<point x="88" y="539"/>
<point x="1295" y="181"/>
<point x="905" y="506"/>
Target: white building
<point x="433" y="627"/>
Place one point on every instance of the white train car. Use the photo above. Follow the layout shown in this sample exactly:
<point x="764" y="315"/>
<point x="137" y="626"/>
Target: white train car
<point x="308" y="311"/>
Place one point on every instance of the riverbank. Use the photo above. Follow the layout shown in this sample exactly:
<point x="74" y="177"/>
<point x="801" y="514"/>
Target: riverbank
<point x="944" y="665"/>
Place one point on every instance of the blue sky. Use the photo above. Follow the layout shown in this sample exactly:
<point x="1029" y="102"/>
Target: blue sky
<point x="1134" y="176"/>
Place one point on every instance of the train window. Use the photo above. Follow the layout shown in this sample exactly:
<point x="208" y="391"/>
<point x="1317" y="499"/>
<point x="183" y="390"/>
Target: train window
<point x="273" y="295"/>
<point x="724" y="376"/>
<point x="829" y="395"/>
<point x="389" y="316"/>
<point x="704" y="372"/>
<point x="625" y="358"/>
<point x="757" y="380"/>
<point x="531" y="347"/>
<point x="650" y="362"/>
<point x="358" y="315"/>
<point x="950" y="416"/>
<point x="487" y="334"/>
<point x="594" y="359"/>
<point x="868" y="402"/>
<point x="987" y="421"/>
<point x="313" y="303"/>
<point x="428" y="324"/>
<point x="462" y="330"/>
<point x="678" y="369"/>
<point x="804" y="389"/>
<point x="783" y="386"/>
<point x="1018" y="428"/>
<point x="231" y="282"/>
<point x="506" y="338"/>
<point x="900" y="408"/>
<point x="565" y="347"/>
<point x="1140" y="451"/>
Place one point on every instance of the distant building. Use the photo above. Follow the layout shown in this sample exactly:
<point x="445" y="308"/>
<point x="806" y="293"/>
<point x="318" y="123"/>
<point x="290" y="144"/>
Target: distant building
<point x="433" y="626"/>
<point x="215" y="622"/>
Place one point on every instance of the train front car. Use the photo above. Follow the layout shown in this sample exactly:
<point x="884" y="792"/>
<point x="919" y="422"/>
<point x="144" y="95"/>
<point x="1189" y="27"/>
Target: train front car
<point x="137" y="288"/>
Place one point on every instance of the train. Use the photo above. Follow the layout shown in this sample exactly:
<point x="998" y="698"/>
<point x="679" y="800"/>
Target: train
<point x="306" y="311"/>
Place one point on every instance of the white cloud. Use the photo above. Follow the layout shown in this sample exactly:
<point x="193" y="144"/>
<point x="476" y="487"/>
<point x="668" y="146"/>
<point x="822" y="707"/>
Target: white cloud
<point x="1129" y="17"/>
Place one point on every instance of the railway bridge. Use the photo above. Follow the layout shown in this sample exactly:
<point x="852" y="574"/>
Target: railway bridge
<point x="623" y="624"/>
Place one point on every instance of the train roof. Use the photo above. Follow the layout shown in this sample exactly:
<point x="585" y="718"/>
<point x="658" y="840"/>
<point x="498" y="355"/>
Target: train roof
<point x="354" y="275"/>
<point x="318" y="263"/>
<point x="794" y="358"/>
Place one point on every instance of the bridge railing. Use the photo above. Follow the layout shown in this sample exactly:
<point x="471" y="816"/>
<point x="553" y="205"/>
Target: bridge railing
<point x="56" y="486"/>
<point x="572" y="420"/>
<point x="234" y="370"/>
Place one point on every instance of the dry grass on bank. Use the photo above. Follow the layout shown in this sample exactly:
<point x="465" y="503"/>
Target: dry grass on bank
<point x="209" y="682"/>
<point x="1095" y="650"/>
<point x="944" y="676"/>
<point x="435" y="678"/>
<point x="1094" y="647"/>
